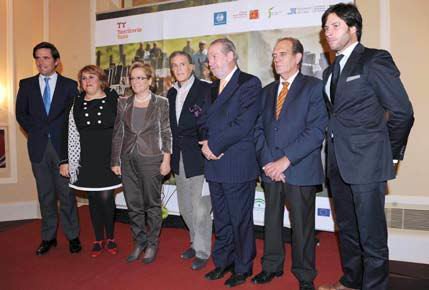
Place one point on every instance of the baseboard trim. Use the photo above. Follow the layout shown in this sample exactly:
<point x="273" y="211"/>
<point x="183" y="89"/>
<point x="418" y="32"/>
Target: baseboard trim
<point x="19" y="211"/>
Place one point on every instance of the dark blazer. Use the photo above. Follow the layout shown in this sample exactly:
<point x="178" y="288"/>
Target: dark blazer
<point x="297" y="134"/>
<point x="371" y="117"/>
<point x="185" y="133"/>
<point x="155" y="134"/>
<point x="31" y="114"/>
<point x="228" y="122"/>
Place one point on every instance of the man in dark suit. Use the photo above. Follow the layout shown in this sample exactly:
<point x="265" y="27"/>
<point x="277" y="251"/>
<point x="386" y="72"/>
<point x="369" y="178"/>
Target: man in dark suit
<point x="40" y="110"/>
<point x="231" y="168"/>
<point x="370" y="120"/>
<point x="186" y="99"/>
<point x="289" y="135"/>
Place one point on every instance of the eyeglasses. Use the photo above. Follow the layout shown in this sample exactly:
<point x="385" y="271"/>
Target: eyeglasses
<point x="138" y="78"/>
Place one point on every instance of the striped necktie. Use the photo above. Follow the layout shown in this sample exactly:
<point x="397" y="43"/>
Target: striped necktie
<point x="281" y="99"/>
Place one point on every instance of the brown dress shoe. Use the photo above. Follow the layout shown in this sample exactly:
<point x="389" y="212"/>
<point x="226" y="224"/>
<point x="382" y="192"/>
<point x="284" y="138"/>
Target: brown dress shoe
<point x="336" y="286"/>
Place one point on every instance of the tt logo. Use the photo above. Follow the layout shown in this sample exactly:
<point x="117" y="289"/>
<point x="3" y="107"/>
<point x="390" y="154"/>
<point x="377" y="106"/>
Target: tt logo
<point x="121" y="24"/>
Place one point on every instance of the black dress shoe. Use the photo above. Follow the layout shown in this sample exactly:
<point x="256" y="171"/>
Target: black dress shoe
<point x="219" y="272"/>
<point x="237" y="279"/>
<point x="75" y="246"/>
<point x="265" y="277"/>
<point x="188" y="254"/>
<point x="45" y="246"/>
<point x="306" y="286"/>
<point x="198" y="263"/>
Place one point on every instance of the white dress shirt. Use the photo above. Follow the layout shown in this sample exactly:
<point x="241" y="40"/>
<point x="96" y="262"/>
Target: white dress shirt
<point x="52" y="83"/>
<point x="182" y="92"/>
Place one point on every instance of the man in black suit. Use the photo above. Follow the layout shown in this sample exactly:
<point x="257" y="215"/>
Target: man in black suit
<point x="370" y="120"/>
<point x="289" y="135"/>
<point x="40" y="110"/>
<point x="186" y="99"/>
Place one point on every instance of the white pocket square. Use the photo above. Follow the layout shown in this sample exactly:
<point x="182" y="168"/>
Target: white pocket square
<point x="349" y="79"/>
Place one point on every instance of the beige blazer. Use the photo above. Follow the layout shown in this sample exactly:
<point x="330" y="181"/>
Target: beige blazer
<point x="154" y="136"/>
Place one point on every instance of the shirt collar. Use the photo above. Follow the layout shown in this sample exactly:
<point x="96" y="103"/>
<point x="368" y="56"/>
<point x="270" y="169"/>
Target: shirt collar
<point x="187" y="84"/>
<point x="229" y="76"/>
<point x="52" y="77"/>
<point x="347" y="52"/>
<point x="290" y="79"/>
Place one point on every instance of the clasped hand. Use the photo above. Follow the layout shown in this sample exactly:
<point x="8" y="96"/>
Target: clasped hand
<point x="208" y="154"/>
<point x="275" y="169"/>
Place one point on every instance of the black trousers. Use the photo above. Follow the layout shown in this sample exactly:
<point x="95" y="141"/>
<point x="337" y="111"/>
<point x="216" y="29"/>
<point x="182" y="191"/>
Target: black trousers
<point x="142" y="184"/>
<point x="51" y="187"/>
<point x="300" y="201"/>
<point x="359" y="213"/>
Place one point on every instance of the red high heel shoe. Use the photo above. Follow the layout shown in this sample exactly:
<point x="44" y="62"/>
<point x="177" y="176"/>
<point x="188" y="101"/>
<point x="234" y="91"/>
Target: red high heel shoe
<point x="112" y="247"/>
<point x="97" y="249"/>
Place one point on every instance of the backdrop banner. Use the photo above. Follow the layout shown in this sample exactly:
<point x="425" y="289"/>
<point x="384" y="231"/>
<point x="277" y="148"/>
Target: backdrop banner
<point x="151" y="33"/>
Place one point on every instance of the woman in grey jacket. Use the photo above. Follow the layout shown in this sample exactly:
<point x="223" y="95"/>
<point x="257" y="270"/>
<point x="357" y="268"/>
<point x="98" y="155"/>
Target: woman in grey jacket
<point x="141" y="150"/>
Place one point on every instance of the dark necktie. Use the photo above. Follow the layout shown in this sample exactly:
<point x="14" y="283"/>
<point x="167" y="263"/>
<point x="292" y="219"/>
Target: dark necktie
<point x="47" y="96"/>
<point x="335" y="76"/>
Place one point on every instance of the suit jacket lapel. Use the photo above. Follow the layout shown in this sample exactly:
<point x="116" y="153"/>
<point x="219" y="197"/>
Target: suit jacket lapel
<point x="326" y="75"/>
<point x="227" y="92"/>
<point x="293" y="93"/>
<point x="128" y="114"/>
<point x="173" y="99"/>
<point x="36" y="88"/>
<point x="57" y="94"/>
<point x="353" y="60"/>
<point x="149" y="113"/>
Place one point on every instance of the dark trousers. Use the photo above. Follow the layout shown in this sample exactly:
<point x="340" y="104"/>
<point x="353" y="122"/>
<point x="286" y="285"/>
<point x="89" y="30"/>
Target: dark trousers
<point x="300" y="201"/>
<point x="359" y="212"/>
<point x="232" y="205"/>
<point x="142" y="184"/>
<point x="51" y="187"/>
<point x="102" y="210"/>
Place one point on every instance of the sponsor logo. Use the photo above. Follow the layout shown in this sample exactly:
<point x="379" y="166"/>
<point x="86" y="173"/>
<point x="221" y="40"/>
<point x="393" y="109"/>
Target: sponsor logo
<point x="240" y="15"/>
<point x="123" y="31"/>
<point x="219" y="18"/>
<point x="272" y="11"/>
<point x="254" y="14"/>
<point x="323" y="212"/>
<point x="259" y="203"/>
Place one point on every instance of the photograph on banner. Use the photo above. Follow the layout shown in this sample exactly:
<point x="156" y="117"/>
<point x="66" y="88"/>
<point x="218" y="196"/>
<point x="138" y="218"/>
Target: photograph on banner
<point x="254" y="50"/>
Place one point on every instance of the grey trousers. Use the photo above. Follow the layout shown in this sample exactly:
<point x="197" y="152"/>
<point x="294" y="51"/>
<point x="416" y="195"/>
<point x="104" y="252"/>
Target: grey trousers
<point x="195" y="210"/>
<point x="142" y="183"/>
<point x="51" y="187"/>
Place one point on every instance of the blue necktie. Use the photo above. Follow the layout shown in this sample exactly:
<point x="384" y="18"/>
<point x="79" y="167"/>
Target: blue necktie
<point x="47" y="96"/>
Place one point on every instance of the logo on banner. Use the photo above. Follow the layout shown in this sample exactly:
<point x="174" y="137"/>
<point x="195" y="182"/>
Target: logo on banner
<point x="323" y="212"/>
<point x="240" y="15"/>
<point x="272" y="11"/>
<point x="219" y="18"/>
<point x="123" y="31"/>
<point x="254" y="14"/>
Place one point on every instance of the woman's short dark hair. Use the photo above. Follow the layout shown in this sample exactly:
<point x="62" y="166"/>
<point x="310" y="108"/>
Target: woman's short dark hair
<point x="54" y="51"/>
<point x="94" y="70"/>
<point x="347" y="12"/>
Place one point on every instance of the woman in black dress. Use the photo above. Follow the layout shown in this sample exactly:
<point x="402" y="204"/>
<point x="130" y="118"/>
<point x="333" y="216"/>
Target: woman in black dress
<point x="88" y="149"/>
